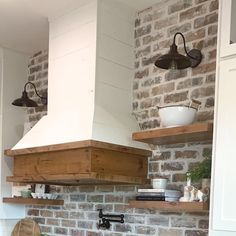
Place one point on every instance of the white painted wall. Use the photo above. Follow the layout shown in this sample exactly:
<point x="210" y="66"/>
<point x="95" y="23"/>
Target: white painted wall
<point x="6" y="227"/>
<point x="233" y="20"/>
<point x="13" y="75"/>
<point x="96" y="37"/>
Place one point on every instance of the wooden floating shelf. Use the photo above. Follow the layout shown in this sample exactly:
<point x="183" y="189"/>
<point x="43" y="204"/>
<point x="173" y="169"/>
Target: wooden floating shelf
<point x="198" y="132"/>
<point x="33" y="201"/>
<point x="171" y="206"/>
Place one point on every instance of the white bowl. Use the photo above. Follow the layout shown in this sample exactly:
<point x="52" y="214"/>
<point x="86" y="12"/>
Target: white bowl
<point x="172" y="199"/>
<point x="48" y="195"/>
<point x="39" y="195"/>
<point x="54" y="196"/>
<point x="159" y="183"/>
<point x="34" y="195"/>
<point x="177" y="115"/>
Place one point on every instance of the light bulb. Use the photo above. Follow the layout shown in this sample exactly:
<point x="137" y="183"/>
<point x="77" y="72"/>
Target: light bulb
<point x="173" y="68"/>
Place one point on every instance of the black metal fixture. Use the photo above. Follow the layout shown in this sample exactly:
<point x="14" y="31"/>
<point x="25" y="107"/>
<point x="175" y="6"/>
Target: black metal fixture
<point x="105" y="222"/>
<point x="25" y="101"/>
<point x="174" y="60"/>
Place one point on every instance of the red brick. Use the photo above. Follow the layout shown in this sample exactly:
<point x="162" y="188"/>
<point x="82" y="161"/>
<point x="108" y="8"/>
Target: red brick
<point x="172" y="166"/>
<point x="176" y="97"/>
<point x="46" y="213"/>
<point x="205" y="116"/>
<point x="196" y="233"/>
<point x="161" y="156"/>
<point x="166" y="22"/>
<point x="204" y="68"/>
<point x="192" y="12"/>
<point x="142" y="74"/>
<point x="186" y="154"/>
<point x="61" y="214"/>
<point x="105" y="188"/>
<point x="114" y="198"/>
<point x="163" y="88"/>
<point x="205" y="20"/>
<point x="203" y="224"/>
<point x="77" y="232"/>
<point x="170" y="232"/>
<point x="179" y="178"/>
<point x="68" y="223"/>
<point x="52" y="222"/>
<point x="145" y="230"/>
<point x="60" y="230"/>
<point x="212" y="30"/>
<point x="203" y="92"/>
<point x="33" y="212"/>
<point x="179" y="28"/>
<point x="179" y="5"/>
<point x="143" y="30"/>
<point x="153" y="167"/>
<point x="214" y="5"/>
<point x="183" y="222"/>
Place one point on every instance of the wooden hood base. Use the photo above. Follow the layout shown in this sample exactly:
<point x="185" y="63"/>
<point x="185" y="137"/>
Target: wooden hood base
<point x="78" y="163"/>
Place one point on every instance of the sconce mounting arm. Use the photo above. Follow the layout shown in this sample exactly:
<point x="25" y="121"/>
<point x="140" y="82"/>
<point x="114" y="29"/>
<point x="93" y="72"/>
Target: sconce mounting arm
<point x="34" y="90"/>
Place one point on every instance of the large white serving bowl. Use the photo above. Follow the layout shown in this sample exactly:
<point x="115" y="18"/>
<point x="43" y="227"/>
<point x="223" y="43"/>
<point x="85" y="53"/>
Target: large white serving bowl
<point x="177" y="115"/>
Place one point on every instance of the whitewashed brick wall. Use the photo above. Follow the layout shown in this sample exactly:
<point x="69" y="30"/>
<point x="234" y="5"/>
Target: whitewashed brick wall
<point x="38" y="74"/>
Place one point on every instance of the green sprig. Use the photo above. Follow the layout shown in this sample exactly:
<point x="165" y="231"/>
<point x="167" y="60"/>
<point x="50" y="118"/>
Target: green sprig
<point x="203" y="169"/>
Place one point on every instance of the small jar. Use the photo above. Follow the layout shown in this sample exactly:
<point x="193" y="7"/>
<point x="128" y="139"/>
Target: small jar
<point x="159" y="183"/>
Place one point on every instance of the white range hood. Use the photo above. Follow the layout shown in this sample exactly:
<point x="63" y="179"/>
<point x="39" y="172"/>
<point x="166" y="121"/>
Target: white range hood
<point x="90" y="78"/>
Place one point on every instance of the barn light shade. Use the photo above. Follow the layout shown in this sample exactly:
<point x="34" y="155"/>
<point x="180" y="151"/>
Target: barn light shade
<point x="174" y="60"/>
<point x="25" y="101"/>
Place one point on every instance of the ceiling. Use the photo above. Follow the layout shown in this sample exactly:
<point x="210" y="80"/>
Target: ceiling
<point x="24" y="24"/>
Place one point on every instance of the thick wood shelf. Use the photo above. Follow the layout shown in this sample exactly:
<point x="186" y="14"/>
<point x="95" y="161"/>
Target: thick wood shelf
<point x="79" y="179"/>
<point x="172" y="135"/>
<point x="171" y="206"/>
<point x="78" y="163"/>
<point x="33" y="201"/>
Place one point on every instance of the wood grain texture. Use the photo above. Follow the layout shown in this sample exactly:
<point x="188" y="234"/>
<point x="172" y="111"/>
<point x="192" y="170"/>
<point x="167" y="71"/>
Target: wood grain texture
<point x="198" y="132"/>
<point x="58" y="162"/>
<point x="33" y="201"/>
<point x="79" y="179"/>
<point x="171" y="206"/>
<point x="111" y="162"/>
<point x="26" y="227"/>
<point x="97" y="164"/>
<point x="77" y="145"/>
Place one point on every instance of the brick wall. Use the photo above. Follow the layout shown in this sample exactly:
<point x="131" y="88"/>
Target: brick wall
<point x="154" y="30"/>
<point x="38" y="74"/>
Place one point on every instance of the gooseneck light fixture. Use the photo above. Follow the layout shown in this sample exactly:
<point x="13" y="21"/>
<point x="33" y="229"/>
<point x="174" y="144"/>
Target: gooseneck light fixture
<point x="25" y="101"/>
<point x="174" y="60"/>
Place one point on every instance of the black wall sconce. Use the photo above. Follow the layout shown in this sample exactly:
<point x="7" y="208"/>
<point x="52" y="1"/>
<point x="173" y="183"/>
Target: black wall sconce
<point x="174" y="60"/>
<point x="25" y="101"/>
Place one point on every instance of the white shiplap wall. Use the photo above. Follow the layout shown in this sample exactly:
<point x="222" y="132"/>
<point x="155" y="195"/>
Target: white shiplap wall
<point x="115" y="61"/>
<point x="90" y="77"/>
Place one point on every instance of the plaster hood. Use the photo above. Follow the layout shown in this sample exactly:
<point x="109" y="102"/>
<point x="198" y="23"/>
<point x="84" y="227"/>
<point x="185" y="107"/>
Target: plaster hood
<point x="90" y="77"/>
<point x="90" y="96"/>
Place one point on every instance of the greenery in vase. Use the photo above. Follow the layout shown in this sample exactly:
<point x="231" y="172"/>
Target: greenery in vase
<point x="203" y="169"/>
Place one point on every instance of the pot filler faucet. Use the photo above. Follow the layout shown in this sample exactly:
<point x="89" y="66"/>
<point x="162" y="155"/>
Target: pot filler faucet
<point x="104" y="223"/>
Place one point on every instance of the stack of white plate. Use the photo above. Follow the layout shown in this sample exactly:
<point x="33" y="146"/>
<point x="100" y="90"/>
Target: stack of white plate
<point x="172" y="195"/>
<point x="44" y="195"/>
